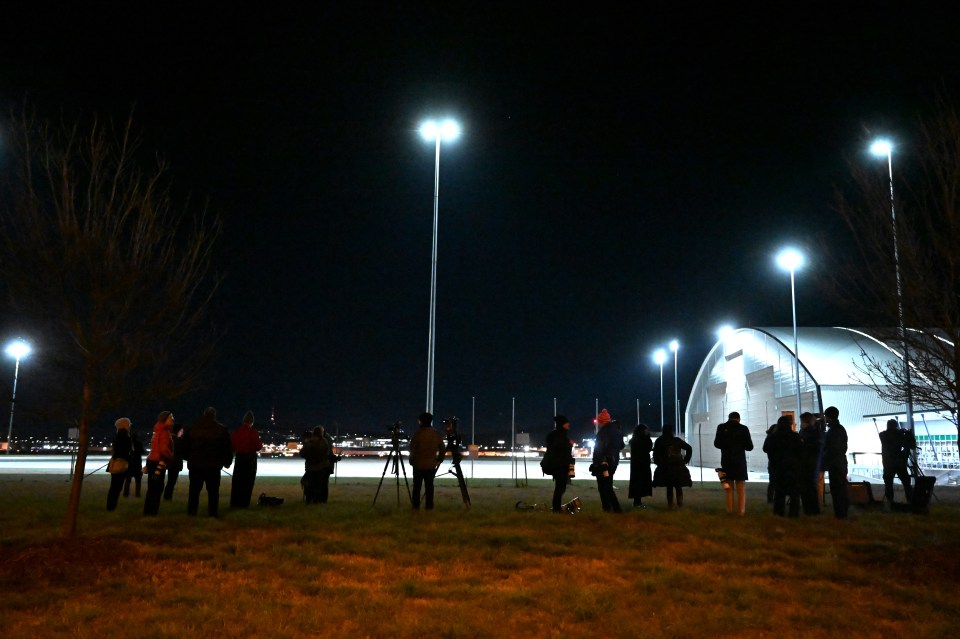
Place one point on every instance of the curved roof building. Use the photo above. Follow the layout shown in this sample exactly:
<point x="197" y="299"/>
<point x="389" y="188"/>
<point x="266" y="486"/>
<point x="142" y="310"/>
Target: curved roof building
<point x="751" y="371"/>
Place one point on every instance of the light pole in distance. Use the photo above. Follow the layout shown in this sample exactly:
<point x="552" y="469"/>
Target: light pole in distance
<point x="17" y="349"/>
<point x="791" y="259"/>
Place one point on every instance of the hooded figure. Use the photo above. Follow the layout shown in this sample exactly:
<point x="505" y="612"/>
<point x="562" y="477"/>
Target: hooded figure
<point x="558" y="458"/>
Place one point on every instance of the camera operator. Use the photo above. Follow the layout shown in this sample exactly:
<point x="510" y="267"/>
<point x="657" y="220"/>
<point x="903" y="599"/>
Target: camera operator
<point x="895" y="447"/>
<point x="426" y="453"/>
<point x="558" y="457"/>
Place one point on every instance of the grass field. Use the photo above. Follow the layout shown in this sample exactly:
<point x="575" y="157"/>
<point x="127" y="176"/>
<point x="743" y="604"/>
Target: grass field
<point x="349" y="569"/>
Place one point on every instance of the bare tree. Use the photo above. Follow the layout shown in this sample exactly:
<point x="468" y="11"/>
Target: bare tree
<point x="99" y="257"/>
<point x="862" y="273"/>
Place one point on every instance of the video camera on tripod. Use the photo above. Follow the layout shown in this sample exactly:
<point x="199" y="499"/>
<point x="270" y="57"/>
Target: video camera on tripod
<point x="451" y="429"/>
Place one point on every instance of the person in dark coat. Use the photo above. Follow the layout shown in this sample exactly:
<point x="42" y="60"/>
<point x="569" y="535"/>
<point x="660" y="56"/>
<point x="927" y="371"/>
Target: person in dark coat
<point x="809" y="464"/>
<point x="558" y="457"/>
<point x="641" y="483"/>
<point x="671" y="455"/>
<point x="246" y="444"/>
<point x="835" y="461"/>
<point x="207" y="450"/>
<point x="784" y="449"/>
<point x="896" y="445"/>
<point x="316" y="453"/>
<point x="121" y="450"/>
<point x="427" y="449"/>
<point x="176" y="466"/>
<point x="733" y="440"/>
<point x="606" y="458"/>
<point x="134" y="465"/>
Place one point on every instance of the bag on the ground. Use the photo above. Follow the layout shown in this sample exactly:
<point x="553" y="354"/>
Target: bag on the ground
<point x="117" y="466"/>
<point x="265" y="500"/>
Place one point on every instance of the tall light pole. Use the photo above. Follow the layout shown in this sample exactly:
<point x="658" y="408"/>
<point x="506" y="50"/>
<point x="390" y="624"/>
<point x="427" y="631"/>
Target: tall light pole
<point x="16" y="349"/>
<point x="881" y="148"/>
<point x="791" y="259"/>
<point x="436" y="131"/>
<point x="660" y="356"/>
<point x="674" y="347"/>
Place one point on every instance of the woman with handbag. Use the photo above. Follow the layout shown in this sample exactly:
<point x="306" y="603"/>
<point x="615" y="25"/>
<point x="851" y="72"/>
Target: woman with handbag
<point x="117" y="466"/>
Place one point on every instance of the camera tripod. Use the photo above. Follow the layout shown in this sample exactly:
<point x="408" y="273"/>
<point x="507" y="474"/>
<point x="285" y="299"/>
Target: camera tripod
<point x="453" y="446"/>
<point x="397" y="459"/>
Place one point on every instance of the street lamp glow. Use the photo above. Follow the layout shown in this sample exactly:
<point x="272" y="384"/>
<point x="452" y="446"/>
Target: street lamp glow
<point x="660" y="356"/>
<point x="790" y="259"/>
<point x="881" y="148"/>
<point x="725" y="332"/>
<point x="448" y="130"/>
<point x="17" y="349"/>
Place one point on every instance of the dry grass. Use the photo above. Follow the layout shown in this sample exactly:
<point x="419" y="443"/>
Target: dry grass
<point x="350" y="569"/>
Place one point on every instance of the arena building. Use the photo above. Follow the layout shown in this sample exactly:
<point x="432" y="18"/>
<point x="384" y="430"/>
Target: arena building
<point x="751" y="371"/>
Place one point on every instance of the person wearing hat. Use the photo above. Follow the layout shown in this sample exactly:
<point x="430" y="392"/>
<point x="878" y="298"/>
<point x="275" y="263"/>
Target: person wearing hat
<point x="606" y="458"/>
<point x="246" y="444"/>
<point x="558" y="458"/>
<point x="161" y="455"/>
<point x="426" y="452"/>
<point x="122" y="445"/>
<point x="207" y="450"/>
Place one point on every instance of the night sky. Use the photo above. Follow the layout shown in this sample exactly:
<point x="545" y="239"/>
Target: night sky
<point x="624" y="177"/>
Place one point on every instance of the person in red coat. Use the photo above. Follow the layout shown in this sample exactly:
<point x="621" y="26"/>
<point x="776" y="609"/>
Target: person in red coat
<point x="161" y="455"/>
<point x="246" y="444"/>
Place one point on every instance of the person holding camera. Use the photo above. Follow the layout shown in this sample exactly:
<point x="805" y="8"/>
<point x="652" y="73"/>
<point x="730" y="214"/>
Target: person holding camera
<point x="835" y="461"/>
<point x="317" y="454"/>
<point x="606" y="458"/>
<point x="733" y="440"/>
<point x="246" y="444"/>
<point x="426" y="452"/>
<point x="558" y="458"/>
<point x="161" y="455"/>
<point x="896" y="445"/>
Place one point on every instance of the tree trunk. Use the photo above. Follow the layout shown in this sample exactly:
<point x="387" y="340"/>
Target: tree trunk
<point x="76" y="485"/>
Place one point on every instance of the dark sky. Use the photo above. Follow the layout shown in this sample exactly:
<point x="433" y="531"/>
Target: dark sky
<point x="624" y="177"/>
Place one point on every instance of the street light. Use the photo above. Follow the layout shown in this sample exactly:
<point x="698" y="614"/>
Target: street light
<point x="660" y="356"/>
<point x="883" y="148"/>
<point x="791" y="259"/>
<point x="16" y="349"/>
<point x="675" y="346"/>
<point x="436" y="131"/>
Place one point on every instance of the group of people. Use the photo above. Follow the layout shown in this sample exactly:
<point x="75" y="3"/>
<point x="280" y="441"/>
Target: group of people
<point x="797" y="462"/>
<point x="206" y="447"/>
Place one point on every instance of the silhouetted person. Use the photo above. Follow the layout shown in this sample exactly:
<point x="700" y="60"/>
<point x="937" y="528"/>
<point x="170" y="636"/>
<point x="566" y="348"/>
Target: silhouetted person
<point x="559" y="456"/>
<point x="733" y="440"/>
<point x="835" y="461"/>
<point x="316" y="453"/>
<point x="641" y="483"/>
<point x="176" y="467"/>
<point x="606" y="458"/>
<point x="246" y="444"/>
<point x="134" y="465"/>
<point x="426" y="452"/>
<point x="121" y="450"/>
<point x="207" y="450"/>
<point x="896" y="446"/>
<point x="671" y="455"/>
<point x="810" y="436"/>
<point x="784" y="450"/>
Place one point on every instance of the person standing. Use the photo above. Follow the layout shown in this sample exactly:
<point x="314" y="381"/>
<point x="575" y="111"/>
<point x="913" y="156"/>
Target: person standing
<point x="606" y="458"/>
<point x="809" y="464"/>
<point x="640" y="480"/>
<point x="134" y="465"/>
<point x="671" y="455"/>
<point x="161" y="455"/>
<point x="316" y="452"/>
<point x="207" y="450"/>
<point x="558" y="457"/>
<point x="896" y="445"/>
<point x="733" y="440"/>
<point x="121" y="450"/>
<point x="173" y="472"/>
<point x="426" y="452"/>
<point x="835" y="461"/>
<point x="246" y="444"/>
<point x="784" y="449"/>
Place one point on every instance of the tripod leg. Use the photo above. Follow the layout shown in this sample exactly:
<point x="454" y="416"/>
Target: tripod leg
<point x="405" y="482"/>
<point x="463" y="484"/>
<point x="382" y="475"/>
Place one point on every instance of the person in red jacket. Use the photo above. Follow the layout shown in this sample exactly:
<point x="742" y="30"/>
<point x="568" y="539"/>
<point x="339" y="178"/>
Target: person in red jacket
<point x="161" y="455"/>
<point x="246" y="444"/>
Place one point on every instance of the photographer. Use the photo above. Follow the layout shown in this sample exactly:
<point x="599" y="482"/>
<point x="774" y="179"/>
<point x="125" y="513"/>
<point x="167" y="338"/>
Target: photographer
<point x="558" y="457"/>
<point x="896" y="445"/>
<point x="318" y="466"/>
<point x="426" y="453"/>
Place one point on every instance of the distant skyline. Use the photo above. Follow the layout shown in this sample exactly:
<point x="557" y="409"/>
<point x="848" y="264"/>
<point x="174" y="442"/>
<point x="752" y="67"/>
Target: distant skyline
<point x="624" y="177"/>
